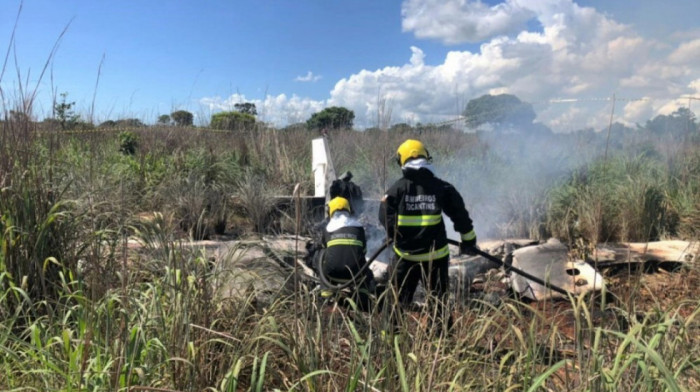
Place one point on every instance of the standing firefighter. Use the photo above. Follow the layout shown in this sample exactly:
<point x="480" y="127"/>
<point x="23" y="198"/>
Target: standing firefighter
<point x="411" y="212"/>
<point x="343" y="261"/>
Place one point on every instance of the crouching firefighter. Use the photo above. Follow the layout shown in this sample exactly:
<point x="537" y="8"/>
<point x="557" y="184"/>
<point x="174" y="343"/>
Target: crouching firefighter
<point x="411" y="212"/>
<point x="342" y="263"/>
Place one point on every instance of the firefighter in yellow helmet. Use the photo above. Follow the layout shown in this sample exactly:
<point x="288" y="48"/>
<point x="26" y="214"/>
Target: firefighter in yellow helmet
<point x="411" y="212"/>
<point x="344" y="248"/>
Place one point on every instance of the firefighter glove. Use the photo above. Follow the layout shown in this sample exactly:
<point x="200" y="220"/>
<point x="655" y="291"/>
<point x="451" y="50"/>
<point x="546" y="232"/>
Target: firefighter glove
<point x="468" y="247"/>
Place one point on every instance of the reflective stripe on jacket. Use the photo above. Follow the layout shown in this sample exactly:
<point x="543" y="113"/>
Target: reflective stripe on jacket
<point x="411" y="212"/>
<point x="345" y="252"/>
<point x="418" y="220"/>
<point x="428" y="256"/>
<point x="344" y="241"/>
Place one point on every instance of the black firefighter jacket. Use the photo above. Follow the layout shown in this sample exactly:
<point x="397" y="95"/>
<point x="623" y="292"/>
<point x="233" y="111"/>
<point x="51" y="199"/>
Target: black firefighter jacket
<point x="344" y="253"/>
<point x="411" y="212"/>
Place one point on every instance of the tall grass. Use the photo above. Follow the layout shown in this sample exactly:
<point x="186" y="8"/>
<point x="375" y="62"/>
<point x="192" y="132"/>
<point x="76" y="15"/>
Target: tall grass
<point x="626" y="199"/>
<point x="152" y="320"/>
<point x="162" y="331"/>
<point x="81" y="310"/>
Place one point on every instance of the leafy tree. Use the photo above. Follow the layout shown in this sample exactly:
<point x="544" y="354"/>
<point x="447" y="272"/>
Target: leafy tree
<point x="246" y="107"/>
<point x="108" y="124"/>
<point x="334" y="117"/>
<point x="503" y="109"/>
<point x="233" y="121"/>
<point x="182" y="118"/>
<point x="129" y="123"/>
<point x="295" y="127"/>
<point x="430" y="127"/>
<point x="677" y="123"/>
<point x="403" y="127"/>
<point x="65" y="114"/>
<point x="164" y="119"/>
<point x="128" y="142"/>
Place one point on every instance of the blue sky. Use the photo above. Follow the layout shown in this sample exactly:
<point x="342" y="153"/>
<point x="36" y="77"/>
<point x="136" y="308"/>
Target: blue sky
<point x="425" y="58"/>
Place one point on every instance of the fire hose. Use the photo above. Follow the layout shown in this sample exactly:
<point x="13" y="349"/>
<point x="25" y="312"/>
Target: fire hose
<point x="477" y="251"/>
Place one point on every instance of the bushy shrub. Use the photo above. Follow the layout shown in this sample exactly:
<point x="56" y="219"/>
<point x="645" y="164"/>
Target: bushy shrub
<point x="197" y="190"/>
<point x="334" y="117"/>
<point x="129" y="123"/>
<point x="128" y="142"/>
<point x="621" y="199"/>
<point x="40" y="232"/>
<point x="108" y="124"/>
<point x="164" y="119"/>
<point x="258" y="199"/>
<point x="182" y="118"/>
<point x="232" y="121"/>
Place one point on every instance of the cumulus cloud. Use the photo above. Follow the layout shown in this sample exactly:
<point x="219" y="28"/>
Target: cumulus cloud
<point x="575" y="53"/>
<point x="639" y="111"/>
<point x="578" y="53"/>
<point x="309" y="77"/>
<point x="695" y="86"/>
<point x="459" y="21"/>
<point x="278" y="110"/>
<point x="686" y="53"/>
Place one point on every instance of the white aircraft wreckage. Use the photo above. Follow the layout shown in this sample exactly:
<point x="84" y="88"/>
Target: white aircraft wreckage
<point x="552" y="264"/>
<point x="537" y="272"/>
<point x="532" y="270"/>
<point x="267" y="267"/>
<point x="522" y="267"/>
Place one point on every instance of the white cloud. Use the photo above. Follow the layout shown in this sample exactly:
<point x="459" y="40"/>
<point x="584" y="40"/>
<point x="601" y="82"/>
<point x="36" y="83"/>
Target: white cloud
<point x="458" y="21"/>
<point x="639" y="111"/>
<point x="682" y="101"/>
<point x="576" y="53"/>
<point x="695" y="86"/>
<point x="686" y="53"/>
<point x="279" y="110"/>
<point x="671" y="106"/>
<point x="579" y="53"/>
<point x="309" y="77"/>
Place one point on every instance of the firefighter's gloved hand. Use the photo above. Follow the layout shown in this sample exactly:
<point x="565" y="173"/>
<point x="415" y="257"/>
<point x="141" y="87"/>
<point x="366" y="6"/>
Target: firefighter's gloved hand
<point x="468" y="247"/>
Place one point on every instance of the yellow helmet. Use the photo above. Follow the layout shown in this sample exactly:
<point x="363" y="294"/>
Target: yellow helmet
<point x="338" y="204"/>
<point x="411" y="149"/>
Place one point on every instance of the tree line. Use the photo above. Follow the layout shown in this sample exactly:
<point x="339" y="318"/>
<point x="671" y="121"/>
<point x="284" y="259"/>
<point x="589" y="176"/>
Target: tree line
<point x="500" y="113"/>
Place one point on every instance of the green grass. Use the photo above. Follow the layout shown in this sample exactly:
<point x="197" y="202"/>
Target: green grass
<point x="159" y="328"/>
<point x="80" y="311"/>
<point x="633" y="198"/>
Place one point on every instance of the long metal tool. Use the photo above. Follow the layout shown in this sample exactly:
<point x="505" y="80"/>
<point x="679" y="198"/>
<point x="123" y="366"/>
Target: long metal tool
<point x="510" y="268"/>
<point x="506" y="267"/>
